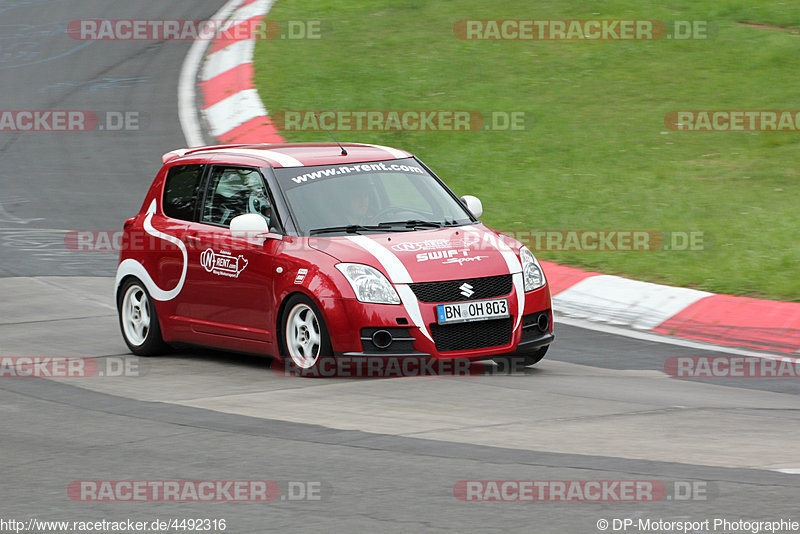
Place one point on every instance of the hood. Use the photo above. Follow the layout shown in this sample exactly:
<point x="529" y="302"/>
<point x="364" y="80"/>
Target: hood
<point x="428" y="255"/>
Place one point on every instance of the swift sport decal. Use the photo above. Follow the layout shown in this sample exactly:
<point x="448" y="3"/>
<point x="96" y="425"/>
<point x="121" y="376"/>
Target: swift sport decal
<point x="398" y="276"/>
<point x="222" y="263"/>
<point x="461" y="261"/>
<point x="449" y="256"/>
<point x="134" y="268"/>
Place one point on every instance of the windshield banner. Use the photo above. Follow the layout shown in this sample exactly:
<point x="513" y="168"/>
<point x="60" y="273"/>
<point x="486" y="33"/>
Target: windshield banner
<point x="293" y="177"/>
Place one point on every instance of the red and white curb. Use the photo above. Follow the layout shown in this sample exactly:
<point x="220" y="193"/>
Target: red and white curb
<point x="676" y="311"/>
<point x="229" y="109"/>
<point x="227" y="105"/>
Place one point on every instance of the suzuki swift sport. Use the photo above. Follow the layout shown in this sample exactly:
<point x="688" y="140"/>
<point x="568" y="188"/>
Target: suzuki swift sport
<point x="308" y="252"/>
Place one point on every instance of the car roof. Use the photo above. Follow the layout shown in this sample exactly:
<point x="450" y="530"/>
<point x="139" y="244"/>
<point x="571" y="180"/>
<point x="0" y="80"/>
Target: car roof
<point x="288" y="154"/>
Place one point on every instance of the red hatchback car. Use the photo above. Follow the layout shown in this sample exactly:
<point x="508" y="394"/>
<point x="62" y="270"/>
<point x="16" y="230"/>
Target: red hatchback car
<point x="318" y="251"/>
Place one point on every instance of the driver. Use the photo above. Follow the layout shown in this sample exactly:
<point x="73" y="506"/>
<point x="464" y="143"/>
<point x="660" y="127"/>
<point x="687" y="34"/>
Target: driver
<point x="357" y="205"/>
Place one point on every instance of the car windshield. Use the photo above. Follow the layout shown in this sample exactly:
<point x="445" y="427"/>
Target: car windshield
<point x="395" y="195"/>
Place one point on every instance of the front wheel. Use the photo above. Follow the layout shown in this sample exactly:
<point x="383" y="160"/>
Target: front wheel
<point x="305" y="336"/>
<point x="138" y="320"/>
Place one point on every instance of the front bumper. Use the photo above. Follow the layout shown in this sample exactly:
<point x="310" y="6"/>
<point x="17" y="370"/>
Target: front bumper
<point x="351" y="325"/>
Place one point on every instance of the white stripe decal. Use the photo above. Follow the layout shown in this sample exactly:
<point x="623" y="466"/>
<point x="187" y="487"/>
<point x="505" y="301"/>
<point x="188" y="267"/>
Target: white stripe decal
<point x="519" y="288"/>
<point x="397" y="272"/>
<point x="514" y="266"/>
<point x="515" y="269"/>
<point x="228" y="58"/>
<point x="397" y="154"/>
<point x="411" y="304"/>
<point x="234" y="111"/>
<point x="283" y="159"/>
<point x="133" y="267"/>
<point x="398" y="276"/>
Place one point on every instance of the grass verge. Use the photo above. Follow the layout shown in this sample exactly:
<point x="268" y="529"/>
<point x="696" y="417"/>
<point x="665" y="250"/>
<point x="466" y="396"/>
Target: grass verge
<point x="595" y="152"/>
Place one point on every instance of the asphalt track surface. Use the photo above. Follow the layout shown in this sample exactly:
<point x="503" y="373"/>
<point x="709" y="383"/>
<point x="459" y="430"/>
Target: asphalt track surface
<point x="386" y="453"/>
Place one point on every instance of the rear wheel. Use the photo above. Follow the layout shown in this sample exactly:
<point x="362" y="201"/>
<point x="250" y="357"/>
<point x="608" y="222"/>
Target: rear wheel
<point x="138" y="320"/>
<point x="305" y="336"/>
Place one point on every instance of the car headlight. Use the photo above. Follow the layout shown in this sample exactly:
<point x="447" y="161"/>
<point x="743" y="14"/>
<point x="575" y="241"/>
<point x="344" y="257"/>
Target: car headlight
<point x="369" y="284"/>
<point x="531" y="270"/>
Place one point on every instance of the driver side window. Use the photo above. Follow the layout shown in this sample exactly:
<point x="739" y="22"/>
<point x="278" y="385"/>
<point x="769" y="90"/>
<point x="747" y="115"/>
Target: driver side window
<point x="234" y="191"/>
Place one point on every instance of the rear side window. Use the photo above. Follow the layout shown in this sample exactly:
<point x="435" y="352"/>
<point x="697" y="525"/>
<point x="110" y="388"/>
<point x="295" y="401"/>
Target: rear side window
<point x="181" y="190"/>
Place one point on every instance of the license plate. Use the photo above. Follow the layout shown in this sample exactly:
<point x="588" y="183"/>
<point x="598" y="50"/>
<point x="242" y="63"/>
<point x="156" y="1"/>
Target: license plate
<point x="478" y="310"/>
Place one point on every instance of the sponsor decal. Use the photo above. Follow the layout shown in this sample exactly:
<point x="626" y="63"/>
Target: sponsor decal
<point x="222" y="263"/>
<point x="301" y="275"/>
<point x="458" y="256"/>
<point x="428" y="244"/>
<point x="295" y="177"/>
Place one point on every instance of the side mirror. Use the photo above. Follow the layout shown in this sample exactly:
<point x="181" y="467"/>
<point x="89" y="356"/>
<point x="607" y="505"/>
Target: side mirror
<point x="252" y="225"/>
<point x="473" y="204"/>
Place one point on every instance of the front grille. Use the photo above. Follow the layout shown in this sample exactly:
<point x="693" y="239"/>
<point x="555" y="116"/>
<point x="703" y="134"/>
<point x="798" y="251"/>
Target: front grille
<point x="450" y="290"/>
<point x="475" y="335"/>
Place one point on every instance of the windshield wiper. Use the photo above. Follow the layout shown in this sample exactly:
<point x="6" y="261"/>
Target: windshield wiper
<point x="411" y="223"/>
<point x="349" y="229"/>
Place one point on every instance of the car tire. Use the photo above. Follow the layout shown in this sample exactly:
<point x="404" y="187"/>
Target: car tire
<point x="138" y="320"/>
<point x="304" y="336"/>
<point x="515" y="361"/>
